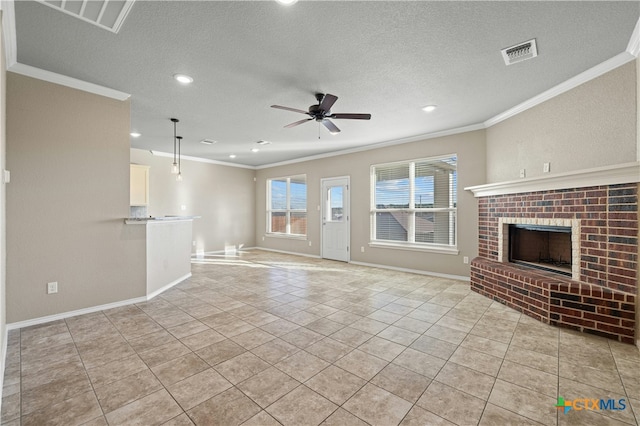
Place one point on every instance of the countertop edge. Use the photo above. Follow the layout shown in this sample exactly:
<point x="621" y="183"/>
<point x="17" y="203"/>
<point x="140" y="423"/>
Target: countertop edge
<point x="145" y="221"/>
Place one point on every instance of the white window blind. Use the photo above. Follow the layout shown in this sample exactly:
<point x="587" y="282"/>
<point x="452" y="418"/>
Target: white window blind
<point x="287" y="205"/>
<point x="415" y="202"/>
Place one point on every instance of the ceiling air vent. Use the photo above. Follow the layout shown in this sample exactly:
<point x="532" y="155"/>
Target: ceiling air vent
<point x="108" y="15"/>
<point x="208" y="141"/>
<point x="520" y="52"/>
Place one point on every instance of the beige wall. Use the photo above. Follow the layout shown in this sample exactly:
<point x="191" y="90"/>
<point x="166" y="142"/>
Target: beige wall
<point x="68" y="152"/>
<point x="589" y="126"/>
<point x="3" y="199"/>
<point x="224" y="196"/>
<point x="470" y="148"/>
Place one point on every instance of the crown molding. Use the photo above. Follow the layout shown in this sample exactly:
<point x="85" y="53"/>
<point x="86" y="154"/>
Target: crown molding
<point x="402" y="141"/>
<point x="634" y="42"/>
<point x="201" y="160"/>
<point x="563" y="87"/>
<point x="606" y="175"/>
<point x="71" y="82"/>
<point x="9" y="32"/>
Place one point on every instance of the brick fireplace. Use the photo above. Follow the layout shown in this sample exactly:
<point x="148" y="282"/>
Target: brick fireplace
<point x="598" y="290"/>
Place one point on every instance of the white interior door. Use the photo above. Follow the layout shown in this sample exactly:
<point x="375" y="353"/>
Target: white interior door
<point x="335" y="219"/>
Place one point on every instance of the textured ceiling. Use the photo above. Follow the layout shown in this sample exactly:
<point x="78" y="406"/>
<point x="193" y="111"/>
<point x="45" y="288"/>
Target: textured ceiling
<point x="384" y="58"/>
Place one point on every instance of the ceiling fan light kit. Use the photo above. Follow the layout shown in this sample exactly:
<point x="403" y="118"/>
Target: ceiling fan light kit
<point x="321" y="112"/>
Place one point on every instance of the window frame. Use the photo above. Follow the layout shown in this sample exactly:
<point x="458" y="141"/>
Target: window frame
<point x="411" y="244"/>
<point x="287" y="210"/>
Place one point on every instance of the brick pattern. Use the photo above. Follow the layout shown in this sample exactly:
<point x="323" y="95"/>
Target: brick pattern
<point x="555" y="300"/>
<point x="603" y="300"/>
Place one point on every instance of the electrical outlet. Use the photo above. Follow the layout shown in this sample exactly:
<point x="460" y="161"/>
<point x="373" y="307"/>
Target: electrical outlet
<point x="263" y="238"/>
<point x="465" y="259"/>
<point x="52" y="287"/>
<point x="523" y="173"/>
<point x="193" y="243"/>
<point x="309" y="243"/>
<point x="362" y="249"/>
<point x="546" y="167"/>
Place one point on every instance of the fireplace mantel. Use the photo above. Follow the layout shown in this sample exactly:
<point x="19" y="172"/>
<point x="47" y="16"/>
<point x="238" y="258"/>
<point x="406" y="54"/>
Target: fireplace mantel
<point x="606" y="175"/>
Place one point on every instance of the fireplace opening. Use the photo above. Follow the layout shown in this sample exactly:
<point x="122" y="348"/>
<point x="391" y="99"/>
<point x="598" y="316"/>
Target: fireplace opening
<point x="542" y="247"/>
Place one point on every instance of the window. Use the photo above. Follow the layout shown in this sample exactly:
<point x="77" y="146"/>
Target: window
<point x="287" y="205"/>
<point x="414" y="203"/>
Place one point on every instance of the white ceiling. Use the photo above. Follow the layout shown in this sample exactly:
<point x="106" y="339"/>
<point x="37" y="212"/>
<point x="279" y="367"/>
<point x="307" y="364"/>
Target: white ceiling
<point x="384" y="58"/>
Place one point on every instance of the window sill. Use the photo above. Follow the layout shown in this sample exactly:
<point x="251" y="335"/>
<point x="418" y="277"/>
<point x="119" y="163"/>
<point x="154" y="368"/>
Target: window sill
<point x="286" y="236"/>
<point x="415" y="247"/>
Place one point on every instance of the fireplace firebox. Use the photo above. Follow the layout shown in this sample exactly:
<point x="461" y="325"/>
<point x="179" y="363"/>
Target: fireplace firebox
<point x="542" y="247"/>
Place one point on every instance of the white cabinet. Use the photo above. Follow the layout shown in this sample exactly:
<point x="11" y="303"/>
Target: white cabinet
<point x="139" y="185"/>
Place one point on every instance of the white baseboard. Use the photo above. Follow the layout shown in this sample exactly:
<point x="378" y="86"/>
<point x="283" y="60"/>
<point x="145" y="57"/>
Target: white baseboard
<point x="315" y="256"/>
<point x="83" y="311"/>
<point x="92" y="309"/>
<point x="168" y="286"/>
<point x="414" y="271"/>
<point x="375" y="265"/>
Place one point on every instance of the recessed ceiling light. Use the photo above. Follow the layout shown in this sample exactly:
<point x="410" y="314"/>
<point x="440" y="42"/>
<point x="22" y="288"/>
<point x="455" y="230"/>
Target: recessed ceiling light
<point x="287" y="2"/>
<point x="232" y="156"/>
<point x="429" y="108"/>
<point x="182" y="78"/>
<point x="263" y="142"/>
<point x="208" y="141"/>
<point x="255" y="149"/>
<point x="135" y="134"/>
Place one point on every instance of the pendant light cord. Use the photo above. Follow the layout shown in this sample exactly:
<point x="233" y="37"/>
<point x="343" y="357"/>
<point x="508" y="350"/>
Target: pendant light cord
<point x="174" y="121"/>
<point x="179" y="143"/>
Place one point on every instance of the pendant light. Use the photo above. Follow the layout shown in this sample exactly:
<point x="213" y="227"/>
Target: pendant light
<point x="174" y="167"/>
<point x="179" y="177"/>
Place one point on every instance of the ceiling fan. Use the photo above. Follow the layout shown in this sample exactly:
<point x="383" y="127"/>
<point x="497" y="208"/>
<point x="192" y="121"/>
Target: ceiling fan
<point x="322" y="113"/>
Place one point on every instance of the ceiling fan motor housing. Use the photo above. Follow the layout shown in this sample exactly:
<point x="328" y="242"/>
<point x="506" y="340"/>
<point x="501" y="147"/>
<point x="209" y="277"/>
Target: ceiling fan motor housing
<point x="317" y="113"/>
<point x="321" y="112"/>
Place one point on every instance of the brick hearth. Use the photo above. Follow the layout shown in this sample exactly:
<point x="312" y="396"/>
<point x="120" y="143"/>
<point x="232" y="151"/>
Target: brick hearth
<point x="603" y="300"/>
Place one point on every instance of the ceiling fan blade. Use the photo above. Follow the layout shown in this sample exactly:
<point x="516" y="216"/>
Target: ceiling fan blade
<point x="297" y="123"/>
<point x="333" y="129"/>
<point x="352" y="116"/>
<point x="327" y="102"/>
<point x="289" y="109"/>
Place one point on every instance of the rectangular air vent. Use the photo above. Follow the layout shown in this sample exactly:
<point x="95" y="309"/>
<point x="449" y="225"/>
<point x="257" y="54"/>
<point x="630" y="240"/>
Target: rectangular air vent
<point x="108" y="15"/>
<point x="520" y="52"/>
<point x="208" y="141"/>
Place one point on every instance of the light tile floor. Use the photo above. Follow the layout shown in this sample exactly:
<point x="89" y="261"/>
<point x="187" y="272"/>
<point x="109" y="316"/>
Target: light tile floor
<point x="267" y="339"/>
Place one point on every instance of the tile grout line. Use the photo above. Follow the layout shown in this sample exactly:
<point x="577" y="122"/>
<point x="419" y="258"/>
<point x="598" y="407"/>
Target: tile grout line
<point x="311" y="287"/>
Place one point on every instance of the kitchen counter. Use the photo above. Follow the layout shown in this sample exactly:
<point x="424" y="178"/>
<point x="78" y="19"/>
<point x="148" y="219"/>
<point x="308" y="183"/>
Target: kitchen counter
<point x="151" y="219"/>
<point x="168" y="250"/>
